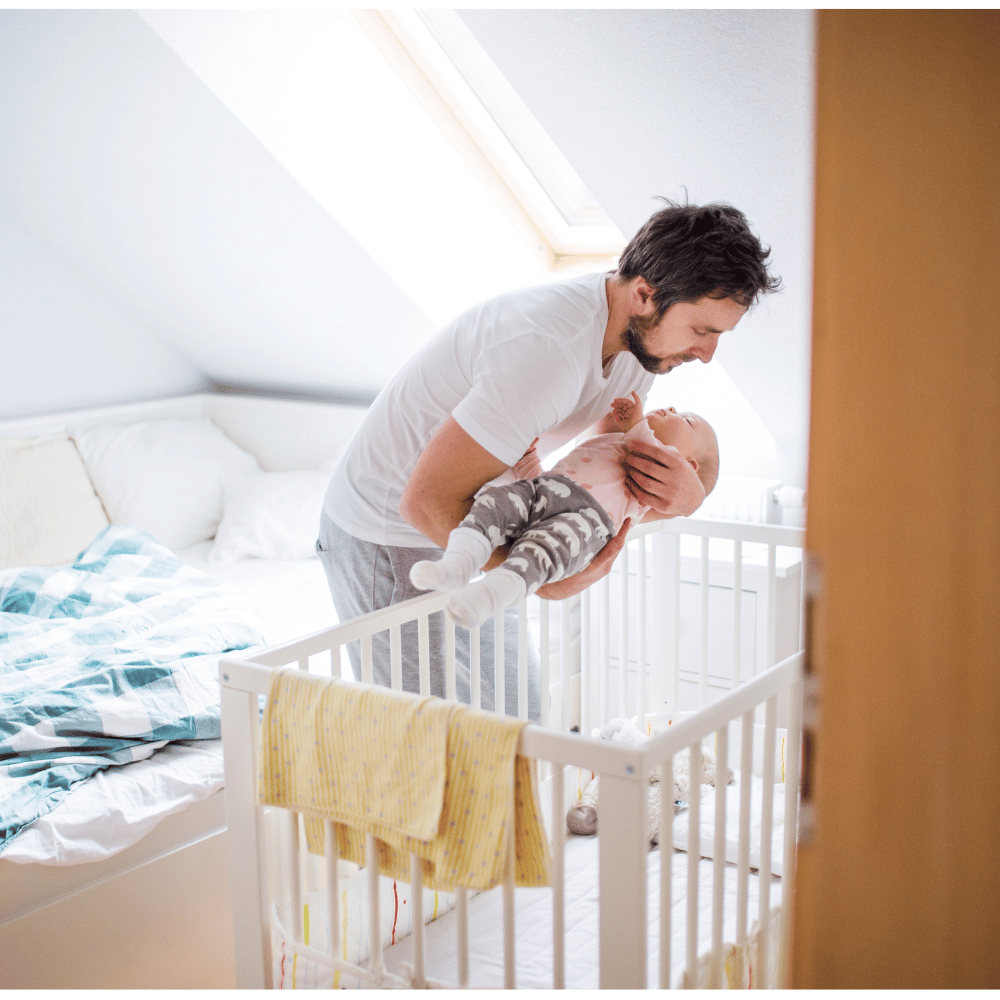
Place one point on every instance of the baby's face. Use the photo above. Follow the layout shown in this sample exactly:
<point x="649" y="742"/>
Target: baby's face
<point x="687" y="432"/>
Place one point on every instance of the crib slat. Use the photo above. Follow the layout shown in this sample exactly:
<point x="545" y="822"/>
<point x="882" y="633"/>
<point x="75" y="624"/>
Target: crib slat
<point x="417" y="902"/>
<point x="543" y="667"/>
<point x="641" y="637"/>
<point x="772" y="606"/>
<point x="766" y="827"/>
<point x="666" y="601"/>
<point x="623" y="617"/>
<point x="374" y="917"/>
<point x="791" y="813"/>
<point x="605" y="665"/>
<point x="522" y="659"/>
<point x="737" y="611"/>
<point x="499" y="667"/>
<point x="557" y="881"/>
<point x="396" y="658"/>
<point x="475" y="666"/>
<point x="694" y="854"/>
<point x="743" y="848"/>
<point x="366" y="659"/>
<point x="509" y="931"/>
<point x="566" y="712"/>
<point x="719" y="855"/>
<point x="462" y="915"/>
<point x="294" y="874"/>
<point x="449" y="659"/>
<point x="666" y="842"/>
<point x="586" y="659"/>
<point x="622" y="853"/>
<point x="332" y="852"/>
<point x="424" y="654"/>
<point x="703" y="676"/>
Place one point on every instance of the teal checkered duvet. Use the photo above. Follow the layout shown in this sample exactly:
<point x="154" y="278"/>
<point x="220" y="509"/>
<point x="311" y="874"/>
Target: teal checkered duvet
<point x="105" y="661"/>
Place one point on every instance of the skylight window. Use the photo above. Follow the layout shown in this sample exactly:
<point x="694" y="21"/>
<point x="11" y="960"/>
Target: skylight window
<point x="496" y="134"/>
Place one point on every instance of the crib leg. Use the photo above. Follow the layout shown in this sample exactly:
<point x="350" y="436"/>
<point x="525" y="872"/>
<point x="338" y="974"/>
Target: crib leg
<point x="622" y="858"/>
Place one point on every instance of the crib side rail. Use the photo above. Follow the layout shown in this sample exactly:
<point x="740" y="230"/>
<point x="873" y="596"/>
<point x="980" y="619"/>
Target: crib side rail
<point x="622" y="848"/>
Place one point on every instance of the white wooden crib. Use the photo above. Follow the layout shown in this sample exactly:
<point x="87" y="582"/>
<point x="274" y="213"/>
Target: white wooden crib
<point x="708" y="609"/>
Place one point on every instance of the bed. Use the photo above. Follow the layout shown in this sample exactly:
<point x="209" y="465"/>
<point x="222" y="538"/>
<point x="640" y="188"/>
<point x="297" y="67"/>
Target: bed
<point x="127" y="871"/>
<point x="613" y="914"/>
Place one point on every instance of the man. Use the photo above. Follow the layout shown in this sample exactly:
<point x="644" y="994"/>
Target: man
<point x="538" y="363"/>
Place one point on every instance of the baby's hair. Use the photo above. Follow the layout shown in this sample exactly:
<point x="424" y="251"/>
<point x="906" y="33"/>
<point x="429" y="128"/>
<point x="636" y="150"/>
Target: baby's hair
<point x="708" y="461"/>
<point x="708" y="471"/>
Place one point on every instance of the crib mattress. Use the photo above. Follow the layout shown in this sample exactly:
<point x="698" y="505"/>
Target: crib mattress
<point x="533" y="925"/>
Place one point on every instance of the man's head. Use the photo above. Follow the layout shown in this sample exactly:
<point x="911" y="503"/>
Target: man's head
<point x="692" y="272"/>
<point x="693" y="437"/>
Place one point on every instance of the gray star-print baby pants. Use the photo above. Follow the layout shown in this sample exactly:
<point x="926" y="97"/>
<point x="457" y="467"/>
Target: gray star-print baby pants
<point x="553" y="525"/>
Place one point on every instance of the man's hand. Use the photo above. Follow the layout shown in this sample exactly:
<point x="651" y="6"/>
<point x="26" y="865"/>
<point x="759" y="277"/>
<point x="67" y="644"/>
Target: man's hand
<point x="529" y="464"/>
<point x="598" y="568"/>
<point x="658" y="476"/>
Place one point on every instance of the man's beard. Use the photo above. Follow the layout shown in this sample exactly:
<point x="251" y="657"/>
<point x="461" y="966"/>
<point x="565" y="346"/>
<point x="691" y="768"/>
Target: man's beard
<point x="635" y="339"/>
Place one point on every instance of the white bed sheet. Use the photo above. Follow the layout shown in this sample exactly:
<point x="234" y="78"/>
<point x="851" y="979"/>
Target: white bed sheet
<point x="116" y="808"/>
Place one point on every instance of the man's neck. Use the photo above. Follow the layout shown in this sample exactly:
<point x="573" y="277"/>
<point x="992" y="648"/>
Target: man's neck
<point x="614" y="332"/>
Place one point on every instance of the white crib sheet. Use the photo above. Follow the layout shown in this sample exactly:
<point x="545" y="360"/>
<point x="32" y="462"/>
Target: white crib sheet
<point x="533" y="924"/>
<point x="116" y="808"/>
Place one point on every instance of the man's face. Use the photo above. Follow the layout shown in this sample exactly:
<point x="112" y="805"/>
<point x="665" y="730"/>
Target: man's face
<point x="687" y="331"/>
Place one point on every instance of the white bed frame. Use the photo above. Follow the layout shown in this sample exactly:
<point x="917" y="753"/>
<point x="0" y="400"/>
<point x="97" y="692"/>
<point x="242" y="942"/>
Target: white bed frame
<point x="650" y="601"/>
<point x="156" y="915"/>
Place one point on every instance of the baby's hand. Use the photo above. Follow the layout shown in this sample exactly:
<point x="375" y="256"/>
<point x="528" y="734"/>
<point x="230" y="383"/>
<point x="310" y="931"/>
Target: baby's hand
<point x="528" y="465"/>
<point x="626" y="413"/>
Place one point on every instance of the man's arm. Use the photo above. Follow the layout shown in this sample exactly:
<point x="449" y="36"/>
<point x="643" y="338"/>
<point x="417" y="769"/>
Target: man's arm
<point x="450" y="471"/>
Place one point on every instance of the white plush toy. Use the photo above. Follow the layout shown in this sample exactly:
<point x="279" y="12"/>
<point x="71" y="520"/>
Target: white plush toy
<point x="582" y="818"/>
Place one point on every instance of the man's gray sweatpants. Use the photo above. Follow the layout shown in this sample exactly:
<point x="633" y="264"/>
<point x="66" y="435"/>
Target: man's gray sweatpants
<point x="365" y="576"/>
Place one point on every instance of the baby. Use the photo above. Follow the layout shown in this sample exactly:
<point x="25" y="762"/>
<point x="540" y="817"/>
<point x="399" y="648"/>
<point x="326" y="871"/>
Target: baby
<point x="557" y="522"/>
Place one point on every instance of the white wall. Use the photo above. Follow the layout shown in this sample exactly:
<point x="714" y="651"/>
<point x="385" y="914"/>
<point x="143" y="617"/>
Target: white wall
<point x="65" y="344"/>
<point x="646" y="102"/>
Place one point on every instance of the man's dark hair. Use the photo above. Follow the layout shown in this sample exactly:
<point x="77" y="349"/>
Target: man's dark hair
<point x="686" y="252"/>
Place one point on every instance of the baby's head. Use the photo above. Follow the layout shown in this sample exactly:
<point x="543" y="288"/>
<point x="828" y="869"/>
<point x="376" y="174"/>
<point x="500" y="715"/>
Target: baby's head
<point x="693" y="437"/>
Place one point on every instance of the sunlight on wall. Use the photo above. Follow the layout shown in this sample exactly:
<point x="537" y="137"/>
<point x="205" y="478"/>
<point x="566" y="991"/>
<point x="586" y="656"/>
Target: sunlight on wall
<point x="318" y="94"/>
<point x="746" y="447"/>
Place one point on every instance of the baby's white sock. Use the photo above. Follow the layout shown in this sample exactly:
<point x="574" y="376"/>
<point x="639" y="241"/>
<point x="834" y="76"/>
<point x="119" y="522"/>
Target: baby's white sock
<point x="467" y="550"/>
<point x="473" y="604"/>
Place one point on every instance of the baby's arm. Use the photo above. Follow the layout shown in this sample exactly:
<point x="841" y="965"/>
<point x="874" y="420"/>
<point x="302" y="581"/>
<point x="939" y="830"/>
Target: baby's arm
<point x="624" y="415"/>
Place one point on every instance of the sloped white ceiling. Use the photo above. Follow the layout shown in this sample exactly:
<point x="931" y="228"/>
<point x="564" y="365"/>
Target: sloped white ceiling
<point x="717" y="102"/>
<point x="120" y="160"/>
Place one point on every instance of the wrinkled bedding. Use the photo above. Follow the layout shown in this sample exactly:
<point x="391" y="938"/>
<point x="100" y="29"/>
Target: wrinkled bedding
<point x="104" y="662"/>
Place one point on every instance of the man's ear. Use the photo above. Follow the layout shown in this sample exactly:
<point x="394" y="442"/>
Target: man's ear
<point x="642" y="297"/>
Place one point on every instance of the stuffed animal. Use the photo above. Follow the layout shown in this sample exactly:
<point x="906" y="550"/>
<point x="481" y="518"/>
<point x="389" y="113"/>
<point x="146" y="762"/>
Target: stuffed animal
<point x="582" y="818"/>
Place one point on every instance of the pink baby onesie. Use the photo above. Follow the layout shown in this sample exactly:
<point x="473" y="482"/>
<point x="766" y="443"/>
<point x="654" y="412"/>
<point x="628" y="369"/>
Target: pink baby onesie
<point x="596" y="465"/>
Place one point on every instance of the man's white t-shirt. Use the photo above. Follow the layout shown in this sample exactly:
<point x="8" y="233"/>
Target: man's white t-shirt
<point x="522" y="365"/>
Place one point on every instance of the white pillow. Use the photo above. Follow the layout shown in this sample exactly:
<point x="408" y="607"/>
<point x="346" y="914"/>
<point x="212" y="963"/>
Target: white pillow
<point x="271" y="516"/>
<point x="164" y="476"/>
<point x="49" y="512"/>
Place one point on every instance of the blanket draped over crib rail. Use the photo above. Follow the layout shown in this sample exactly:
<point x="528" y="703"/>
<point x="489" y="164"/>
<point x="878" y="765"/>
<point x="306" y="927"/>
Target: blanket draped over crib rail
<point x="105" y="661"/>
<point x="423" y="775"/>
